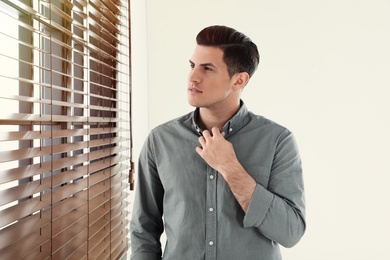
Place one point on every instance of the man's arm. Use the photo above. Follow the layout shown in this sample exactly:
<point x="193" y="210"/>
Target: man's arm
<point x="146" y="224"/>
<point x="219" y="154"/>
<point x="278" y="211"/>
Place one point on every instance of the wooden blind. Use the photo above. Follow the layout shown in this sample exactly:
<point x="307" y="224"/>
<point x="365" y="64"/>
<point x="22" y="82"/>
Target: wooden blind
<point x="65" y="132"/>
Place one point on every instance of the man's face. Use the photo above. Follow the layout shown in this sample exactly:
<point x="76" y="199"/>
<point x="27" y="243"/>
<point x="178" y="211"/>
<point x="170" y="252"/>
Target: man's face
<point x="209" y="84"/>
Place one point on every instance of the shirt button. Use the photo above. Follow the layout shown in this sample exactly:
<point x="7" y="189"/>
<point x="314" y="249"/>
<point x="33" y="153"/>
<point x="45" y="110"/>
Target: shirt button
<point x="211" y="243"/>
<point x="211" y="209"/>
<point x="211" y="177"/>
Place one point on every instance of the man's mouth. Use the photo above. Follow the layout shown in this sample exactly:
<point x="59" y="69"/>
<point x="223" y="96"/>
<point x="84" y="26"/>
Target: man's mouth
<point x="194" y="90"/>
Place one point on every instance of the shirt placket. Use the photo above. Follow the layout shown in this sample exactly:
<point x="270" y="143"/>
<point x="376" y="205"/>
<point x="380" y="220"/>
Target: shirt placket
<point x="211" y="215"/>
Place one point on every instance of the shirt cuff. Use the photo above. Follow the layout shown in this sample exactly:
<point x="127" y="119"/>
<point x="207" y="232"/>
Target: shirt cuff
<point x="258" y="207"/>
<point x="145" y="256"/>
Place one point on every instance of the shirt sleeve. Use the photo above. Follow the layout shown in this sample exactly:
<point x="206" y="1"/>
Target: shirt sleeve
<point x="146" y="224"/>
<point x="278" y="210"/>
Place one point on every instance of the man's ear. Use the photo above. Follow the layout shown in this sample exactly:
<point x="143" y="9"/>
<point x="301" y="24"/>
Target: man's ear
<point x="241" y="79"/>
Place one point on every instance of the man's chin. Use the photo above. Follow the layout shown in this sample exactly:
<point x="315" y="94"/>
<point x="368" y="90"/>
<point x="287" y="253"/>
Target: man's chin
<point x="193" y="104"/>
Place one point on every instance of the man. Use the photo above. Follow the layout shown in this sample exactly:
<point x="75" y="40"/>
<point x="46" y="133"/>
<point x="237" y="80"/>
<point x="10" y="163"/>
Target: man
<point x="223" y="183"/>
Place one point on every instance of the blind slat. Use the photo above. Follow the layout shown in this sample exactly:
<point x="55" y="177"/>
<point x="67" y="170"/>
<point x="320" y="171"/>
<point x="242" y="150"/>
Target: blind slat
<point x="80" y="252"/>
<point x="98" y="208"/>
<point x="54" y="149"/>
<point x="16" y="232"/>
<point x="23" y="190"/>
<point x="40" y="253"/>
<point x="30" y="135"/>
<point x="23" y="172"/>
<point x="38" y="119"/>
<point x="100" y="237"/>
<point x="65" y="206"/>
<point x="23" y="209"/>
<point x="119" y="247"/>
<point x="96" y="229"/>
<point x="102" y="251"/>
<point x="66" y="220"/>
<point x="71" y="246"/>
<point x="99" y="188"/>
<point x="62" y="239"/>
<point x="69" y="190"/>
<point x="26" y="244"/>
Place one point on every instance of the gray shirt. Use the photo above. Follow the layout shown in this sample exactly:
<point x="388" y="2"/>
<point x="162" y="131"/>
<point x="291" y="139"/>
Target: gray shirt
<point x="178" y="191"/>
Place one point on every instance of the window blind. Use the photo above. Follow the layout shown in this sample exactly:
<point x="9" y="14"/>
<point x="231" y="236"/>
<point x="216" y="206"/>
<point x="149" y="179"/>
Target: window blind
<point x="65" y="129"/>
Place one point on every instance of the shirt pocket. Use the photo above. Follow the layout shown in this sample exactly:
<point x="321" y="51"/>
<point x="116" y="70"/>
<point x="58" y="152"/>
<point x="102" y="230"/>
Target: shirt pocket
<point x="260" y="173"/>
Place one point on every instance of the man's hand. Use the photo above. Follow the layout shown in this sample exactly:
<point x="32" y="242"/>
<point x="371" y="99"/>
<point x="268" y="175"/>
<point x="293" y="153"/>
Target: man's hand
<point x="216" y="150"/>
<point x="219" y="154"/>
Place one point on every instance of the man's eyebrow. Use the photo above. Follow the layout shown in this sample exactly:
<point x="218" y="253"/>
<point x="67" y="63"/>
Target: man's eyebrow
<point x="207" y="64"/>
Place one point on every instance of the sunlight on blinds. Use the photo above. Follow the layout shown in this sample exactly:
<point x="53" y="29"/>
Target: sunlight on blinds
<point x="65" y="137"/>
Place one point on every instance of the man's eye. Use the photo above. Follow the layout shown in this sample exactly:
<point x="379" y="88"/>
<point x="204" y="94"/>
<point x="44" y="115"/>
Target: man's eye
<point x="207" y="68"/>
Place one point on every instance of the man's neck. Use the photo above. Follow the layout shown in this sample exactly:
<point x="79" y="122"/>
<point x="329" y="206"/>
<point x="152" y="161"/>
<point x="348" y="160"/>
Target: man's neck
<point x="209" y="118"/>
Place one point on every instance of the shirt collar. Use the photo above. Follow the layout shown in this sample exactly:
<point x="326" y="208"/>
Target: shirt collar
<point x="238" y="120"/>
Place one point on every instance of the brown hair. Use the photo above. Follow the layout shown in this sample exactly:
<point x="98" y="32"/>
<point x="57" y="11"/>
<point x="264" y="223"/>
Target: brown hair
<point x="240" y="53"/>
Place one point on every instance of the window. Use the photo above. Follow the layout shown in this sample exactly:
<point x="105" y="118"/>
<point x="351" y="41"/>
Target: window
<point x="65" y="129"/>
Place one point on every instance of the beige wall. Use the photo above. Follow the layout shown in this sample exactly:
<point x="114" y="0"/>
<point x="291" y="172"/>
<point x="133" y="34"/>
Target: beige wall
<point x="324" y="74"/>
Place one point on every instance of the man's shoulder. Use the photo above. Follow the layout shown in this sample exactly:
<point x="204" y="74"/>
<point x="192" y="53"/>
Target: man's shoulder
<point x="177" y="123"/>
<point x="263" y="121"/>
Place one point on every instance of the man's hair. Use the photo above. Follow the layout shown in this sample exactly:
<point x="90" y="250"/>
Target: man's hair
<point x="239" y="52"/>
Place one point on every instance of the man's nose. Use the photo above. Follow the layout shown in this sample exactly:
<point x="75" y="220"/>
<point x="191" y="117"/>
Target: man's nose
<point x="194" y="76"/>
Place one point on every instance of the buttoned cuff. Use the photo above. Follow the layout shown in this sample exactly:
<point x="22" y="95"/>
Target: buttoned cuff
<point x="258" y="207"/>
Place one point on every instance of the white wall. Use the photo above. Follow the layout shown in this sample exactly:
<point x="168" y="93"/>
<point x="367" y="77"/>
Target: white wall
<point x="140" y="107"/>
<point x="324" y="73"/>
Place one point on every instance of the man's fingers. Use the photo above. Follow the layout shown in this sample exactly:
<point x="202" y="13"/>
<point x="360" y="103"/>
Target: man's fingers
<point x="202" y="141"/>
<point x="215" y="131"/>
<point x="206" y="134"/>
